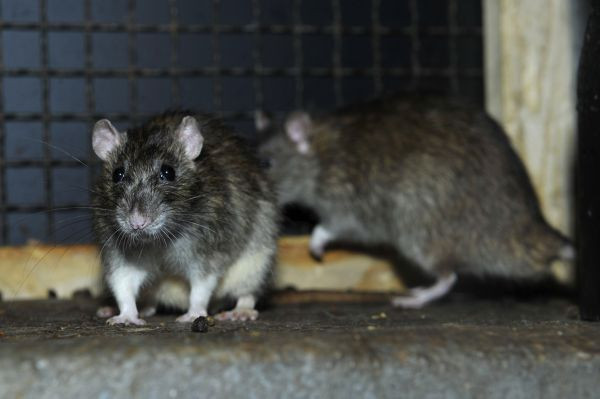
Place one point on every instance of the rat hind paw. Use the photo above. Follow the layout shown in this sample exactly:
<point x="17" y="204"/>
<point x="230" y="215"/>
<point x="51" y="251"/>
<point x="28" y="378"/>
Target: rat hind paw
<point x="421" y="296"/>
<point x="106" y="311"/>
<point x="126" y="320"/>
<point x="148" y="311"/>
<point x="409" y="302"/>
<point x="238" y="314"/>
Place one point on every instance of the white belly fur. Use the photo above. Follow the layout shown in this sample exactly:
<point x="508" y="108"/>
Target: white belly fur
<point x="245" y="276"/>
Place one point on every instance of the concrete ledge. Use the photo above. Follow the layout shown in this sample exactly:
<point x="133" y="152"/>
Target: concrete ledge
<point x="457" y="349"/>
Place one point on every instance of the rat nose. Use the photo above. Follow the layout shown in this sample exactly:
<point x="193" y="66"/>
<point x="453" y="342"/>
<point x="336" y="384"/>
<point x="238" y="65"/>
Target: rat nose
<point x="138" y="221"/>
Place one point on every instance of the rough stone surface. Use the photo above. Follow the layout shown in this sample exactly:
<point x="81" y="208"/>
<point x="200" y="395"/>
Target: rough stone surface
<point x="457" y="349"/>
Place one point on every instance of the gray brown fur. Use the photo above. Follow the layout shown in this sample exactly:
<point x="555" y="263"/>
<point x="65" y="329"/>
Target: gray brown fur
<point x="436" y="178"/>
<point x="219" y="206"/>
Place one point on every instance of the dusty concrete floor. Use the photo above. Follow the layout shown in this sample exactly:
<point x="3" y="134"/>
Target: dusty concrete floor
<point x="456" y="349"/>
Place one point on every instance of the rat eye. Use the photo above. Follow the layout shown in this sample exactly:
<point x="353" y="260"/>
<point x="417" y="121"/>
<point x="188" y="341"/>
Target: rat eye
<point x="167" y="173"/>
<point x="118" y="175"/>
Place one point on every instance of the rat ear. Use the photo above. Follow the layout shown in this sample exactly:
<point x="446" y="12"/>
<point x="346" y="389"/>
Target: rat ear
<point x="297" y="127"/>
<point x="105" y="138"/>
<point x="189" y="135"/>
<point x="262" y="121"/>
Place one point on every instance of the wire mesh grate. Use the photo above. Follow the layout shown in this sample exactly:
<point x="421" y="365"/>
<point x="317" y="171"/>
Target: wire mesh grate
<point x="66" y="63"/>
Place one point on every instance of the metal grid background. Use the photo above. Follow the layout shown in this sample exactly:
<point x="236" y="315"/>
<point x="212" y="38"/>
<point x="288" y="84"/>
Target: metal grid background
<point x="66" y="63"/>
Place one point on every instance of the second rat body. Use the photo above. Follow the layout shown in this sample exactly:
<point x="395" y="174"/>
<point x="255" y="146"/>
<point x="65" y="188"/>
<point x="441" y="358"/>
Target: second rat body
<point x="181" y="196"/>
<point x="435" y="178"/>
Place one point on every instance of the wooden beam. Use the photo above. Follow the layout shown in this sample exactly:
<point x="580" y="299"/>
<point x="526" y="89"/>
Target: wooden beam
<point x="531" y="57"/>
<point x="32" y="271"/>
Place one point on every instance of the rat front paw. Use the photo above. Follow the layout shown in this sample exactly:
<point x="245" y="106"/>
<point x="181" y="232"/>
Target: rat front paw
<point x="240" y="314"/>
<point x="126" y="320"/>
<point x="319" y="239"/>
<point x="189" y="317"/>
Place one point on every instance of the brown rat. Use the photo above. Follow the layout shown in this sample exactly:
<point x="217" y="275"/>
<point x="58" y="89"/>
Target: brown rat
<point x="181" y="196"/>
<point x="435" y="178"/>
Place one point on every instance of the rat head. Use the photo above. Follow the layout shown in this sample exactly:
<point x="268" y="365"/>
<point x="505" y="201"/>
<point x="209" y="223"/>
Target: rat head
<point x="147" y="174"/>
<point x="287" y="154"/>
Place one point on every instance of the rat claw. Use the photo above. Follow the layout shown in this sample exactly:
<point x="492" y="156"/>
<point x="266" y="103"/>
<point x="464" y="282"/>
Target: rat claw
<point x="126" y="320"/>
<point x="316" y="255"/>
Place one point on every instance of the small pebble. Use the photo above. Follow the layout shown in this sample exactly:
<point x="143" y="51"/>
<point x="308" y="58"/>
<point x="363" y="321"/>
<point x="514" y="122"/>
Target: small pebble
<point x="211" y="321"/>
<point x="381" y="315"/>
<point x="200" y="325"/>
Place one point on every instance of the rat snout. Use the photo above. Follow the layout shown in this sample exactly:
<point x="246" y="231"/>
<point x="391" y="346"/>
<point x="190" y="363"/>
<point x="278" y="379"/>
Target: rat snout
<point x="138" y="221"/>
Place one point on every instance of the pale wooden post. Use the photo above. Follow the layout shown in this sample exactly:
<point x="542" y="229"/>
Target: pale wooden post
<point x="531" y="57"/>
